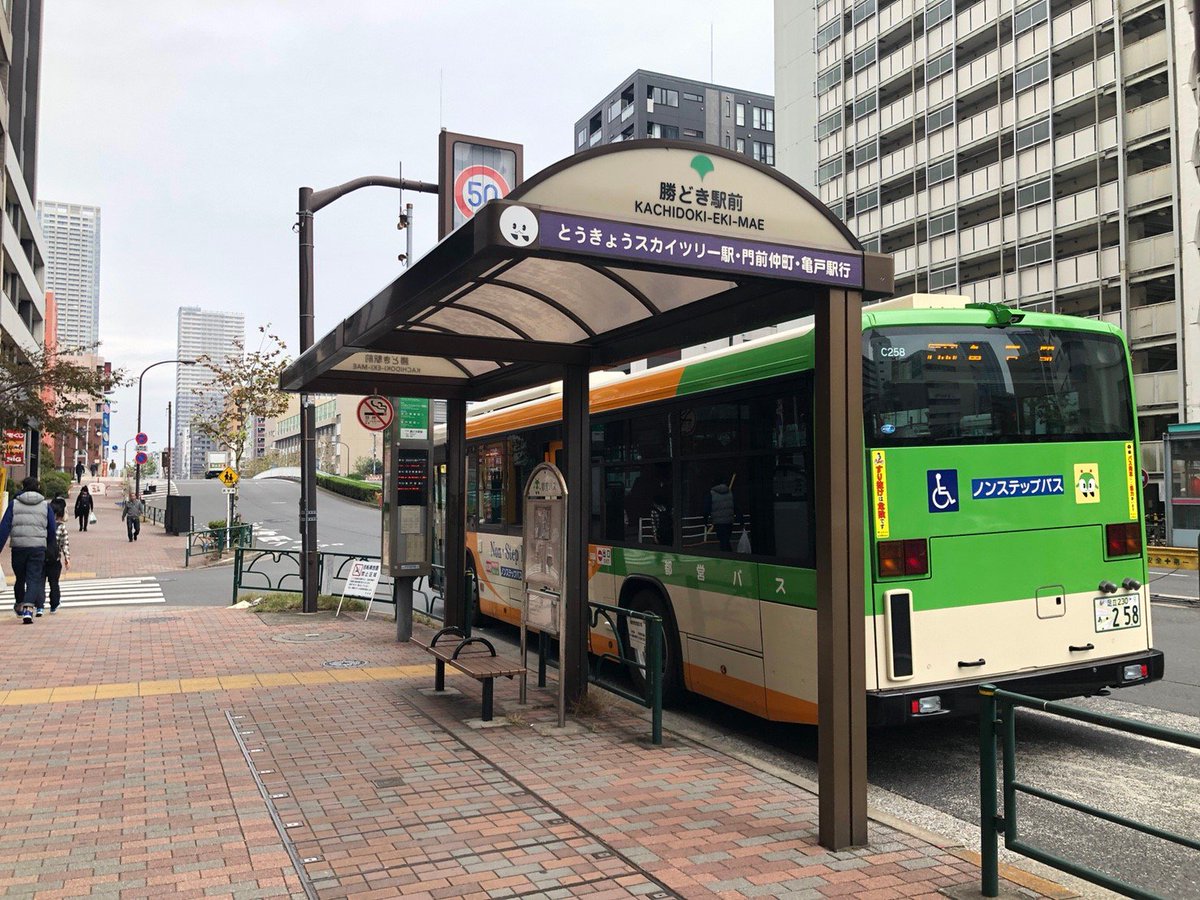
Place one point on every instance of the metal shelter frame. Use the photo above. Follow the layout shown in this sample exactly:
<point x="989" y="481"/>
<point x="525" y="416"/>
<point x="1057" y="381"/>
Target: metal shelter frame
<point x="571" y="273"/>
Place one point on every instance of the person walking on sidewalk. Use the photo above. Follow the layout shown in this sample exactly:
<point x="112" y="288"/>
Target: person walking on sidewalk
<point x="58" y="552"/>
<point x="29" y="520"/>
<point x="135" y="508"/>
<point x="83" y="507"/>
<point x="79" y="471"/>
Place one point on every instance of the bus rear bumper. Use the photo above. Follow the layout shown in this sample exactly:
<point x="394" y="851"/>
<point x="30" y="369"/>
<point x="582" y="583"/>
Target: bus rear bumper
<point x="896" y="707"/>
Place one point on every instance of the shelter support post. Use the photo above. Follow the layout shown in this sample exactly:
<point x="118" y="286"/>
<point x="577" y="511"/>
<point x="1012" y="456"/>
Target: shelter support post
<point x="841" y="601"/>
<point x="573" y="643"/>
<point x="455" y="592"/>
<point x="402" y="596"/>
<point x="308" y="417"/>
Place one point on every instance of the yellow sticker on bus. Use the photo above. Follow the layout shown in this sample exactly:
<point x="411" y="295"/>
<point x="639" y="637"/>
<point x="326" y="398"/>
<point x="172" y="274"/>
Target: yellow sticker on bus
<point x="1131" y="477"/>
<point x="879" y="503"/>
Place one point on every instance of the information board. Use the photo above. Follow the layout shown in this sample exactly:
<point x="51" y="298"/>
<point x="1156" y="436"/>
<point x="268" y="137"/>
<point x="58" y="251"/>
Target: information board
<point x="412" y="477"/>
<point x="413" y="415"/>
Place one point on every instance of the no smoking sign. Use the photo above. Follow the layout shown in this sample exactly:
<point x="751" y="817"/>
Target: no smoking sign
<point x="475" y="186"/>
<point x="375" y="413"/>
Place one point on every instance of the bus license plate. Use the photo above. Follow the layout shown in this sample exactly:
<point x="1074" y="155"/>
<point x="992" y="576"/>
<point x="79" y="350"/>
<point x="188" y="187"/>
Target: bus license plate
<point x="1114" y="613"/>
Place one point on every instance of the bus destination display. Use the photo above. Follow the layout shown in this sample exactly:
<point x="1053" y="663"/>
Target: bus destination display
<point x="412" y="477"/>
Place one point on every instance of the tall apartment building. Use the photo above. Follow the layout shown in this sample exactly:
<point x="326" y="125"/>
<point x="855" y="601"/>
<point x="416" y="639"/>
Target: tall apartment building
<point x="22" y="251"/>
<point x="219" y="336"/>
<point x="652" y="105"/>
<point x="1026" y="153"/>
<point x="72" y="234"/>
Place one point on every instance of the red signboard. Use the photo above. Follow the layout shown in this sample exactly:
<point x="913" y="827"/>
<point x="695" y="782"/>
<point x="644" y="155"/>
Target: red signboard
<point x="14" y="447"/>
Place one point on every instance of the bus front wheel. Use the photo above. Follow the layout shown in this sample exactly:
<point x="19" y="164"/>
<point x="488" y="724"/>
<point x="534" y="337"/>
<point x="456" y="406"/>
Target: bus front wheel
<point x="651" y="601"/>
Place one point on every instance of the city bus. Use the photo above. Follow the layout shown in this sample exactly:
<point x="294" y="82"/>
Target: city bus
<point x="1004" y="530"/>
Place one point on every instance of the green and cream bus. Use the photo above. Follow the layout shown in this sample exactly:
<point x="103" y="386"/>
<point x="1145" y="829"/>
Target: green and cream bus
<point x="1003" y="517"/>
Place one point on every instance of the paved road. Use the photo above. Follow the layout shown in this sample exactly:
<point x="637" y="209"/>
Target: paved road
<point x="343" y="526"/>
<point x="1175" y="583"/>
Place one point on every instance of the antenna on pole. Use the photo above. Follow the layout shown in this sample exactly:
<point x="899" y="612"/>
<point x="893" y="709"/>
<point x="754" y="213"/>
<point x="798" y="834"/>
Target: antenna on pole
<point x="441" y="113"/>
<point x="710" y="52"/>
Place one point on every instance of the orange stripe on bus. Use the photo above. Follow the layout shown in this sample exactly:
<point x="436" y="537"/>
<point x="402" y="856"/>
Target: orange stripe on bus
<point x="652" y="386"/>
<point x="726" y="689"/>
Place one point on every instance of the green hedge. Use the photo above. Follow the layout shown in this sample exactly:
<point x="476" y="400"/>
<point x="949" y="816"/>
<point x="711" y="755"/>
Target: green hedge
<point x="367" y="491"/>
<point x="55" y="483"/>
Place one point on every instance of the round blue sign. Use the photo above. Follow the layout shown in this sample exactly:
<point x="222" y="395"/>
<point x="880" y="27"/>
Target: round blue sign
<point x="140" y="457"/>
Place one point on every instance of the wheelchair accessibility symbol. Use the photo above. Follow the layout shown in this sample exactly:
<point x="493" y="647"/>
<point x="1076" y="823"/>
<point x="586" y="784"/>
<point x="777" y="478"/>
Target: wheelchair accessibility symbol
<point x="943" y="490"/>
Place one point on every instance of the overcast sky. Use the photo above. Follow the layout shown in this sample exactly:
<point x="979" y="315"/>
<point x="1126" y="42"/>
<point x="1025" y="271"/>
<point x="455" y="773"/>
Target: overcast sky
<point x="193" y="124"/>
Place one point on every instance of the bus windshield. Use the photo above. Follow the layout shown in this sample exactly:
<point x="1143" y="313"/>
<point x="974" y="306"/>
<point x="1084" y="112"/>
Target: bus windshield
<point x="964" y="384"/>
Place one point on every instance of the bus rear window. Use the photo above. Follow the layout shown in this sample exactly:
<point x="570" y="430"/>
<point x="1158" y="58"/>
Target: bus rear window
<point x="936" y="384"/>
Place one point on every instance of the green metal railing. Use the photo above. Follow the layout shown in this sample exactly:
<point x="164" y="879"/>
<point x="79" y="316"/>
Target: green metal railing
<point x="649" y="671"/>
<point x="212" y="541"/>
<point x="997" y="720"/>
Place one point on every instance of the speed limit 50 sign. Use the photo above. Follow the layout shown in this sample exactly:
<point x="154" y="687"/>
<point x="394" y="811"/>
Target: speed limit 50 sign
<point x="375" y="413"/>
<point x="472" y="171"/>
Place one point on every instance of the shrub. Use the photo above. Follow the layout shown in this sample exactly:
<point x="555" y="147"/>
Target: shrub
<point x="356" y="490"/>
<point x="55" y="484"/>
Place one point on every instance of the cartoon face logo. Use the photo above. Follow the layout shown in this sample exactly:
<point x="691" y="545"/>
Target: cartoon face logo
<point x="519" y="226"/>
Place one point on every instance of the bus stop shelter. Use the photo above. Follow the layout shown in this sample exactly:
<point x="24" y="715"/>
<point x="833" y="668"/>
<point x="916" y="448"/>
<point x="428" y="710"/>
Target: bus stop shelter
<point x="620" y="253"/>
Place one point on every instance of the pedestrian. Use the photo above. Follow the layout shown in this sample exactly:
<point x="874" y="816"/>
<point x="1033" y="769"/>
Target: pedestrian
<point x="112" y="468"/>
<point x="58" y="552"/>
<point x="29" y="520"/>
<point x="94" y="468"/>
<point x="134" y="509"/>
<point x="79" y="471"/>
<point x="83" y="507"/>
<point x="719" y="511"/>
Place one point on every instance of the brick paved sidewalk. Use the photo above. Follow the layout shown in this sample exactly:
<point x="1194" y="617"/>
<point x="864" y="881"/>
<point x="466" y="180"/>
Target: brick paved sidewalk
<point x="104" y="550"/>
<point x="200" y="752"/>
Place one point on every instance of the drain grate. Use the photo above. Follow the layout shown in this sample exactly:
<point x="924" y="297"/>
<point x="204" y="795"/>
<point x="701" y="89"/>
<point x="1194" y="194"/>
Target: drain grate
<point x="309" y="637"/>
<point x="345" y="664"/>
<point x="383" y="783"/>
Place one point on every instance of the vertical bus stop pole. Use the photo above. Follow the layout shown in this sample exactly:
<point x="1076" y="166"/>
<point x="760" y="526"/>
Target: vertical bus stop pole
<point x="841" y="602"/>
<point x="308" y="416"/>
<point x="573" y="643"/>
<point x="454" y="588"/>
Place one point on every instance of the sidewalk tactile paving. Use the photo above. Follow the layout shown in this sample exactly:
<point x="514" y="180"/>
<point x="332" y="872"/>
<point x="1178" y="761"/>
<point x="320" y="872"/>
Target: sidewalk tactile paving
<point x="136" y="784"/>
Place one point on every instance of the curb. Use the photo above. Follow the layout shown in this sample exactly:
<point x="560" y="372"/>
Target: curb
<point x="1193" y="602"/>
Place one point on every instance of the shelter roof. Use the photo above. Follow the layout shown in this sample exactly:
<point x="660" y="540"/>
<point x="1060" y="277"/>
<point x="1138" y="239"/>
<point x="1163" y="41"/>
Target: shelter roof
<point x="615" y="254"/>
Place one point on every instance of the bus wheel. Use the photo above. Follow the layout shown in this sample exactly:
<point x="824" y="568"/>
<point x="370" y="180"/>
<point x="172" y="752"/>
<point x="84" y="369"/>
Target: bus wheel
<point x="651" y="601"/>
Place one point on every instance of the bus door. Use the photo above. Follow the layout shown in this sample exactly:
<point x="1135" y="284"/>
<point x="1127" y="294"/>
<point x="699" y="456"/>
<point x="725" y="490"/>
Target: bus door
<point x="554" y="454"/>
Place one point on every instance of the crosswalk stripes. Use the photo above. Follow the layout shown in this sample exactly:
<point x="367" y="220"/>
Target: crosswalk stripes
<point x="102" y="592"/>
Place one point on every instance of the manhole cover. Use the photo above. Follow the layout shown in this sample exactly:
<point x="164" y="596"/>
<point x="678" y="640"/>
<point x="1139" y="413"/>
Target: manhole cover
<point x="345" y="664"/>
<point x="155" y="619"/>
<point x="310" y="637"/>
<point x="385" y="783"/>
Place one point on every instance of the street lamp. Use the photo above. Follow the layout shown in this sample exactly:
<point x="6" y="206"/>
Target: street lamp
<point x="347" y="446"/>
<point x="137" y="478"/>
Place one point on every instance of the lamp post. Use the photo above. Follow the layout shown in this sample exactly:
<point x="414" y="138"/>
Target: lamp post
<point x="137" y="478"/>
<point x="347" y="446"/>
<point x="311" y="202"/>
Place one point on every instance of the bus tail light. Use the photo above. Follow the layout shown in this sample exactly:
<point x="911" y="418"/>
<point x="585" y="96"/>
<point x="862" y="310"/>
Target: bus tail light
<point x="1123" y="539"/>
<point x="927" y="706"/>
<point x="903" y="557"/>
<point x="1136" y="672"/>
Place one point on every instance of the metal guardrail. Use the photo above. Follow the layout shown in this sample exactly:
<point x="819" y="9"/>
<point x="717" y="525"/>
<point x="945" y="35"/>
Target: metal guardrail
<point x="997" y="718"/>
<point x="211" y="541"/>
<point x="649" y="669"/>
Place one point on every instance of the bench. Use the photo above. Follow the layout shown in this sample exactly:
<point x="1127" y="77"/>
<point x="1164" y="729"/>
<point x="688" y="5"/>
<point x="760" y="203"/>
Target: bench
<point x="474" y="656"/>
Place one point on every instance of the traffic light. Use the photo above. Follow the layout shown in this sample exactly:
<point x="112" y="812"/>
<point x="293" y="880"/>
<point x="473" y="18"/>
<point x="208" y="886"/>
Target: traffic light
<point x="166" y="460"/>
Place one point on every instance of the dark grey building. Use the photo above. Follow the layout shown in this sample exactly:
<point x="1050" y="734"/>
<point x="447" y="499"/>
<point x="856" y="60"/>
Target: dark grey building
<point x="652" y="105"/>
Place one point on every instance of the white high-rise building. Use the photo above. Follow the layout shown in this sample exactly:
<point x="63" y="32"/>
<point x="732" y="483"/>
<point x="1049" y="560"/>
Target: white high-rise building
<point x="218" y="336"/>
<point x="72" y="233"/>
<point x="1040" y="153"/>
